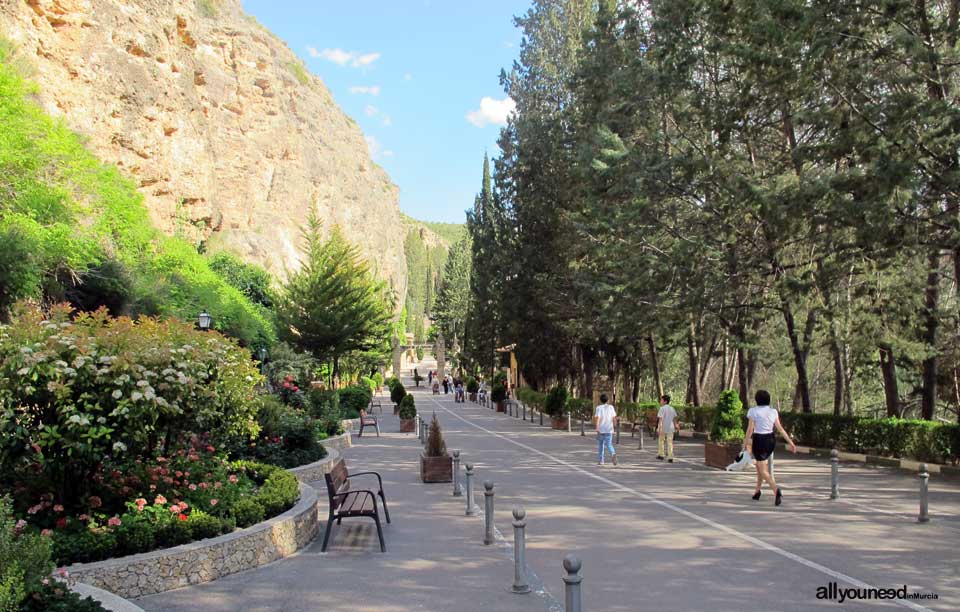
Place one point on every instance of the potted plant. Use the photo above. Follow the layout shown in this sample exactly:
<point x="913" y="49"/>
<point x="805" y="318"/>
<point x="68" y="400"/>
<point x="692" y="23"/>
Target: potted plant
<point x="556" y="407"/>
<point x="436" y="464"/>
<point x="407" y="412"/>
<point x="499" y="396"/>
<point x="397" y="393"/>
<point x="726" y="436"/>
<point x="472" y="388"/>
<point x="417" y="378"/>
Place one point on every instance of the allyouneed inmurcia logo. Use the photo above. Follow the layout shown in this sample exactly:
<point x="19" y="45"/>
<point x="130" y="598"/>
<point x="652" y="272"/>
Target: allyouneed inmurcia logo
<point x="833" y="592"/>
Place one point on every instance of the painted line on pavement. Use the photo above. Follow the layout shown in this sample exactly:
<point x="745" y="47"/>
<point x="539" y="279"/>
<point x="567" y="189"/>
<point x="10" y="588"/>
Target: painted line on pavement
<point x="696" y="517"/>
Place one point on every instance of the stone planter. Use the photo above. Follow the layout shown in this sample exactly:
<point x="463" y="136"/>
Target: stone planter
<point x="720" y="455"/>
<point x="558" y="422"/>
<point x="436" y="469"/>
<point x="501" y="406"/>
<point x="408" y="425"/>
<point x="396" y="409"/>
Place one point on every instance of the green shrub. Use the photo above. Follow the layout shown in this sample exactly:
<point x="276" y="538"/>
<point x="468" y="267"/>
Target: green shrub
<point x="580" y="406"/>
<point x="436" y="447"/>
<point x="279" y="493"/>
<point x="173" y="533"/>
<point x="393" y="382"/>
<point x="532" y="398"/>
<point x="24" y="559"/>
<point x="378" y="380"/>
<point x="84" y="546"/>
<point x="472" y="385"/>
<point x="499" y="393"/>
<point x="728" y="422"/>
<point x="397" y="393"/>
<point x="701" y="417"/>
<point x="500" y="377"/>
<point x="355" y="398"/>
<point x="247" y="512"/>
<point x="135" y="537"/>
<point x="56" y="597"/>
<point x="556" y="401"/>
<point x="203" y="526"/>
<point x="408" y="408"/>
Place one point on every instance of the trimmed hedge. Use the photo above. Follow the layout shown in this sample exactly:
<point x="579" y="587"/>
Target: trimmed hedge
<point x="532" y="398"/>
<point x="891" y="437"/>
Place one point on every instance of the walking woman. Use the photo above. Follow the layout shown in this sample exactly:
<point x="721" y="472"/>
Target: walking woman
<point x="761" y="440"/>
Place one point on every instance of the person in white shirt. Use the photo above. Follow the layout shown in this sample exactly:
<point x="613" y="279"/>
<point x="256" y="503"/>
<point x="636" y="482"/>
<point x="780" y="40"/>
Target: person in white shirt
<point x="666" y="424"/>
<point x="760" y="441"/>
<point x="604" y="417"/>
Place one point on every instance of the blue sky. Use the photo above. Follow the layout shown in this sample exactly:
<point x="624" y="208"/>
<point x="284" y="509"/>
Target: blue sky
<point x="410" y="72"/>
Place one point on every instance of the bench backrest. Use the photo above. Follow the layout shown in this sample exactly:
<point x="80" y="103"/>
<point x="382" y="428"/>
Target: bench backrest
<point x="338" y="481"/>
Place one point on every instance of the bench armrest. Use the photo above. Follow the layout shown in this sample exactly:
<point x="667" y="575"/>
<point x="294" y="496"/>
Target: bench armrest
<point x="379" y="479"/>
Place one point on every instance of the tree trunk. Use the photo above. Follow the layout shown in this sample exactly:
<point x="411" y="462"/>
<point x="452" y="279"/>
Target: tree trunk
<point x="931" y="328"/>
<point x="656" y="366"/>
<point x="888" y="367"/>
<point x="742" y="374"/>
<point x="694" y="376"/>
<point x="837" y="377"/>
<point x="799" y="356"/>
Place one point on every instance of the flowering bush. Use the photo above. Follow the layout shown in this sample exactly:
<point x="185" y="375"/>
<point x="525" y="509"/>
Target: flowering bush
<point x="77" y="395"/>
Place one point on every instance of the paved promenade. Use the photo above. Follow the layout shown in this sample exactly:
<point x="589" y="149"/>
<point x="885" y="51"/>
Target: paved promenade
<point x="652" y="536"/>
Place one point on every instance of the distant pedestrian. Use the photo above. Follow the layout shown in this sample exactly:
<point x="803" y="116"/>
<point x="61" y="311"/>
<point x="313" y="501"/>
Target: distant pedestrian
<point x="761" y="440"/>
<point x="430" y="378"/>
<point x="666" y="424"/>
<point x="446" y="385"/>
<point x="604" y="417"/>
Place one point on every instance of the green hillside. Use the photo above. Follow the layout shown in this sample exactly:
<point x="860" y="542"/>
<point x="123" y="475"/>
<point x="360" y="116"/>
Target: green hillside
<point x="450" y="232"/>
<point x="73" y="228"/>
<point x="425" y="263"/>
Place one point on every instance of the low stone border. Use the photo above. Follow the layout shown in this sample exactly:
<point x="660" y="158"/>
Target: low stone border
<point x="313" y="472"/>
<point x="107" y="599"/>
<point x="340" y="442"/>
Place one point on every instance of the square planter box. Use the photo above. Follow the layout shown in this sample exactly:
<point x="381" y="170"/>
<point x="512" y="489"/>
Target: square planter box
<point x="436" y="469"/>
<point x="720" y="455"/>
<point x="558" y="422"/>
<point x="408" y="425"/>
<point x="501" y="406"/>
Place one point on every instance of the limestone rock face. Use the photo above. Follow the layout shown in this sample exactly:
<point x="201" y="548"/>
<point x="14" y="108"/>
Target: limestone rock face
<point x="228" y="137"/>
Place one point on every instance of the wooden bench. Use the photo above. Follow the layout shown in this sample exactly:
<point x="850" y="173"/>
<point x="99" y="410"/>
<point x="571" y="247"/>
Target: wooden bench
<point x="375" y="403"/>
<point x="347" y="503"/>
<point x="368" y="420"/>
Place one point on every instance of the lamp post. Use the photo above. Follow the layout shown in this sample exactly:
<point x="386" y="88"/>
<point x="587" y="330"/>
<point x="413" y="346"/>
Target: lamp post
<point x="204" y="320"/>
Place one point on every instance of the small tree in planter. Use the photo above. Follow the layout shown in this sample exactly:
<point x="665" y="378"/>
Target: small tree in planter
<point x="499" y="396"/>
<point x="472" y="388"/>
<point x="436" y="464"/>
<point x="408" y="413"/>
<point x="556" y="406"/>
<point x="726" y="435"/>
<point x="397" y="393"/>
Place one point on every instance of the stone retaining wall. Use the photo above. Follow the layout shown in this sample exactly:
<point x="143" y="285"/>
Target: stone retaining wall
<point x="206" y="560"/>
<point x="108" y="600"/>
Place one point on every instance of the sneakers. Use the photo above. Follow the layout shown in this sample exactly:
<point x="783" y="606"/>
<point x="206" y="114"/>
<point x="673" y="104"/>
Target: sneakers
<point x="670" y="460"/>
<point x="614" y="458"/>
<point x="659" y="457"/>
<point x="599" y="462"/>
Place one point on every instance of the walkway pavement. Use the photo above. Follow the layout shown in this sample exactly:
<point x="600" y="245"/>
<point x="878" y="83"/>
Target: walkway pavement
<point x="651" y="535"/>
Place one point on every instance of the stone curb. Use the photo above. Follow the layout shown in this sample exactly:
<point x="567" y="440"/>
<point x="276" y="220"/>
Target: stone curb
<point x="206" y="560"/>
<point x="108" y="600"/>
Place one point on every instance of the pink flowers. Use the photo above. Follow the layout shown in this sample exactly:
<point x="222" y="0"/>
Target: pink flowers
<point x="192" y="487"/>
<point x="20" y="526"/>
<point x="95" y="502"/>
<point x="175" y="509"/>
<point x="213" y="502"/>
<point x="141" y="502"/>
<point x="62" y="572"/>
<point x="217" y="485"/>
<point x="182" y="517"/>
<point x="114" y="521"/>
<point x="233" y="479"/>
<point x="210" y="448"/>
<point x="83" y="518"/>
<point x="160" y="500"/>
<point x="58" y="508"/>
<point x="47" y="533"/>
<point x="34" y="509"/>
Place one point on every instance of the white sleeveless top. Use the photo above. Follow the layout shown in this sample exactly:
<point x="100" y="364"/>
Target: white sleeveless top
<point x="764" y="418"/>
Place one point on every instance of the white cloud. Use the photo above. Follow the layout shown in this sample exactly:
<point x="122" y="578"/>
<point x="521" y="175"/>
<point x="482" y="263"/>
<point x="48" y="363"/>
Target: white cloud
<point x="492" y="112"/>
<point x="387" y="121"/>
<point x="372" y="90"/>
<point x="376" y="148"/>
<point x="407" y="77"/>
<point x="371" y="110"/>
<point x="342" y="58"/>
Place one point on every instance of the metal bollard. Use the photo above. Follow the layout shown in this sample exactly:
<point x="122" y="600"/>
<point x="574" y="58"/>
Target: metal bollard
<point x="573" y="600"/>
<point x="641" y="436"/>
<point x="834" y="474"/>
<point x="469" y="487"/>
<point x="524" y="412"/>
<point x="541" y="416"/>
<point x="569" y="419"/>
<point x="520" y="584"/>
<point x="509" y="408"/>
<point x="618" y="431"/>
<point x="582" y="432"/>
<point x="924" y="492"/>
<point x="488" y="512"/>
<point x="456" y="474"/>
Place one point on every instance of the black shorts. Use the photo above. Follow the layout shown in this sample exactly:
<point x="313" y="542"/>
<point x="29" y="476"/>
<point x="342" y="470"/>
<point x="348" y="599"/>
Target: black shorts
<point x="763" y="445"/>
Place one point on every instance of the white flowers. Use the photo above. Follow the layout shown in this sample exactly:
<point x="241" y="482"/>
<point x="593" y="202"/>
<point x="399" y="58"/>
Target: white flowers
<point x="136" y="396"/>
<point x="117" y="394"/>
<point x="23" y="371"/>
<point x="119" y="447"/>
<point x="78" y="419"/>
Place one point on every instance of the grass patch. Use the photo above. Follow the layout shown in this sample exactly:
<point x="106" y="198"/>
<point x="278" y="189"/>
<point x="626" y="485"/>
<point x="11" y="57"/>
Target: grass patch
<point x="299" y="72"/>
<point x="208" y="8"/>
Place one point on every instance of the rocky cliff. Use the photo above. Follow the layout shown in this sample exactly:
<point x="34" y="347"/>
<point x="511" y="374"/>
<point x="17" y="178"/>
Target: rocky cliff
<point x="231" y="141"/>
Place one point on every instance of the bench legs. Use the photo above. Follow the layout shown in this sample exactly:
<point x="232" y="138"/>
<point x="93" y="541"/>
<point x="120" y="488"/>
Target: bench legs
<point x="386" y="512"/>
<point x="326" y="534"/>
<point x="376" y="519"/>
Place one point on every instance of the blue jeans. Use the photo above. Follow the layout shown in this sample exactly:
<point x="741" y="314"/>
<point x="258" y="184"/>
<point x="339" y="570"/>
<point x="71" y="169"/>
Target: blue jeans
<point x="605" y="440"/>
